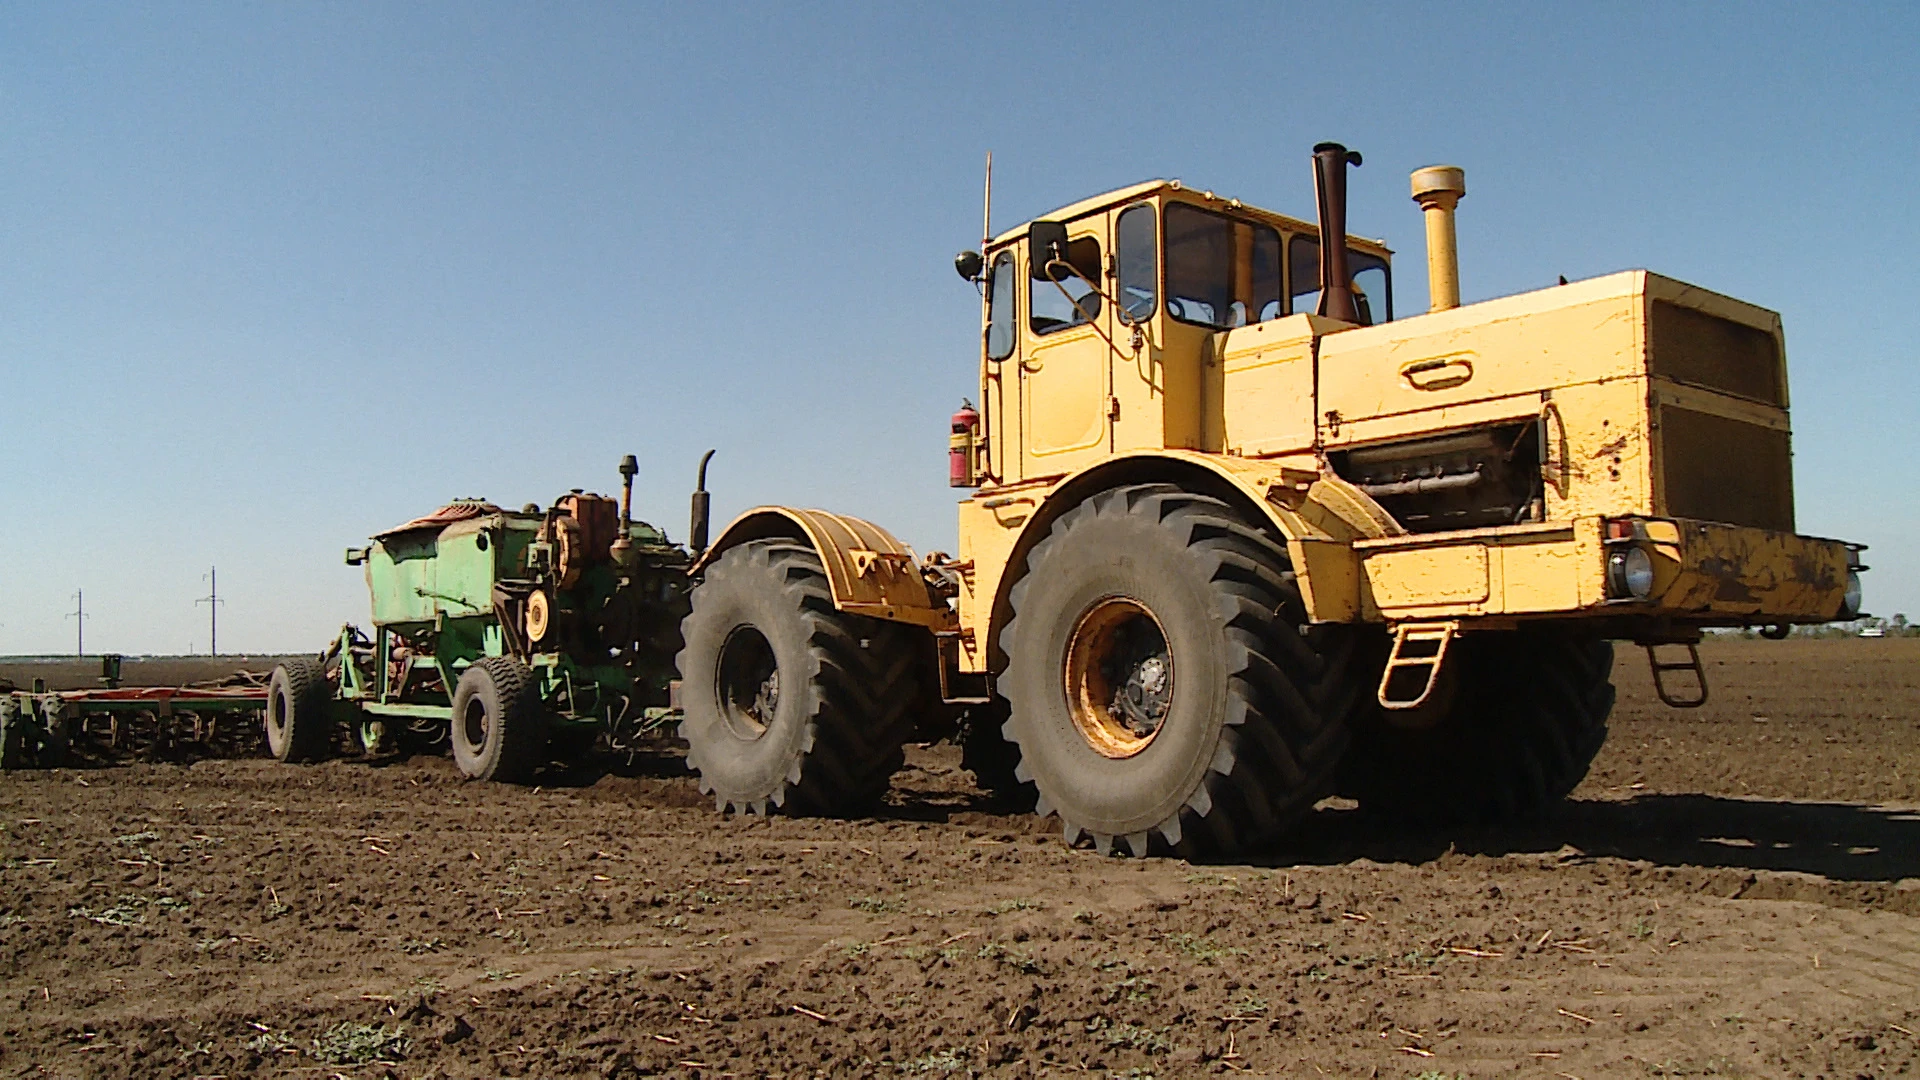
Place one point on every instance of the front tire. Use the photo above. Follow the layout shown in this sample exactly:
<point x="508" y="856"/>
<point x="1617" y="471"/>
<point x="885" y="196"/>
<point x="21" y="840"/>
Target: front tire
<point x="299" y="716"/>
<point x="1518" y="721"/>
<point x="1160" y="680"/>
<point x="499" y="726"/>
<point x="790" y="702"/>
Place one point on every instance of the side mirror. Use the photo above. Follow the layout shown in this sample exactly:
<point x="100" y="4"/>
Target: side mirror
<point x="969" y="264"/>
<point x="1046" y="245"/>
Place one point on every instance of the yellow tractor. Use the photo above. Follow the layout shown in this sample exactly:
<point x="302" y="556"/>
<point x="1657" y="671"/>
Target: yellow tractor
<point x="1239" y="541"/>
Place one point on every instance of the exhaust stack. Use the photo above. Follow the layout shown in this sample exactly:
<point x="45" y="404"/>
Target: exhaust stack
<point x="702" y="510"/>
<point x="1330" y="161"/>
<point x="629" y="468"/>
<point x="622" y="547"/>
<point x="1438" y="189"/>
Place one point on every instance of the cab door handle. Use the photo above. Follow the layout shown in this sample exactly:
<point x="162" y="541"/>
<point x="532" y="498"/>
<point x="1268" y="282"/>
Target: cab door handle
<point x="1439" y="373"/>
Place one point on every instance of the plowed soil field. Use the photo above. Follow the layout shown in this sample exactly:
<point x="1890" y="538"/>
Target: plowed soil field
<point x="1733" y="892"/>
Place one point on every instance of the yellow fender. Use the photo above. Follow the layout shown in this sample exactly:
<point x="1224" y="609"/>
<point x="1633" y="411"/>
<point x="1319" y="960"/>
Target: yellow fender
<point x="1321" y="516"/>
<point x="870" y="572"/>
<point x="1318" y="514"/>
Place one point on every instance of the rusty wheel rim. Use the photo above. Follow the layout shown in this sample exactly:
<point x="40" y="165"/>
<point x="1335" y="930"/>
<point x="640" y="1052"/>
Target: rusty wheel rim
<point x="1119" y="677"/>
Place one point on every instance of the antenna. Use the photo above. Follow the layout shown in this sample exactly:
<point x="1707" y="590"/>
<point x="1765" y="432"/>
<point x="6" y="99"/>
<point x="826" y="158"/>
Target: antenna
<point x="986" y="211"/>
<point x="213" y="602"/>
<point x="79" y="617"/>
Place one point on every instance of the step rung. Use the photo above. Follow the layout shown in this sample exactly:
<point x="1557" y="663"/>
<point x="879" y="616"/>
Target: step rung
<point x="1429" y="644"/>
<point x="1660" y="668"/>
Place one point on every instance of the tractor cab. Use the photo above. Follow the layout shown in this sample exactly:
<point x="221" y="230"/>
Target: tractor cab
<point x="1105" y="322"/>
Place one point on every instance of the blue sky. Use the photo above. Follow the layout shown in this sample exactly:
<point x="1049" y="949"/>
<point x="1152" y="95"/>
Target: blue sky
<point x="279" y="275"/>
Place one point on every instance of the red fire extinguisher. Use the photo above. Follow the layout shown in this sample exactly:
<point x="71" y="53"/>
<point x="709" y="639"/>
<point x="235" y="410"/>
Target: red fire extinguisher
<point x="966" y="423"/>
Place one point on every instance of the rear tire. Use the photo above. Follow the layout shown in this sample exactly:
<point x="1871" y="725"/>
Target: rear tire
<point x="299" y="717"/>
<point x="1521" y="715"/>
<point x="499" y="725"/>
<point x="790" y="702"/>
<point x="1160" y="680"/>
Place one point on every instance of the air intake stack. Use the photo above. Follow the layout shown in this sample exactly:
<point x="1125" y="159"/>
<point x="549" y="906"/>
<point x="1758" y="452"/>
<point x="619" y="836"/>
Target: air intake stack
<point x="1438" y="189"/>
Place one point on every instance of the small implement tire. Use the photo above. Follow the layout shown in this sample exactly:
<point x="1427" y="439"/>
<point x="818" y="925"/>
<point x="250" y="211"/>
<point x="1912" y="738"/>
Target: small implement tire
<point x="1160" y="679"/>
<point x="789" y="702"/>
<point x="299" y="715"/>
<point x="1514" y="726"/>
<point x="499" y="728"/>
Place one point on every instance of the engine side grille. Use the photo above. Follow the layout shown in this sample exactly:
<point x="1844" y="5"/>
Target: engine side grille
<point x="1724" y="470"/>
<point x="1691" y="346"/>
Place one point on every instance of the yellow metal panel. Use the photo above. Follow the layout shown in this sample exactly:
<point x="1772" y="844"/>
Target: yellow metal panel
<point x="1424" y="578"/>
<point x="1726" y="570"/>
<point x="1532" y="569"/>
<point x="990" y="526"/>
<point x="869" y="571"/>
<point x="1065" y="397"/>
<point x="1599" y="449"/>
<point x="1267" y="385"/>
<point x="1542" y="576"/>
<point x="1331" y="582"/>
<point x="1147" y="394"/>
<point x="1193" y="403"/>
<point x="1526" y="344"/>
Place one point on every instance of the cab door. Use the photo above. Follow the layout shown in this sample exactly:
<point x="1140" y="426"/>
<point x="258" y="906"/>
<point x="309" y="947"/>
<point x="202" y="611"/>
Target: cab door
<point x="1065" y="370"/>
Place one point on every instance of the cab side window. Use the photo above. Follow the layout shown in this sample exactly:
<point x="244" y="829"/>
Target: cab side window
<point x="1069" y="298"/>
<point x="1372" y="287"/>
<point x="1137" y="244"/>
<point x="1000" y="293"/>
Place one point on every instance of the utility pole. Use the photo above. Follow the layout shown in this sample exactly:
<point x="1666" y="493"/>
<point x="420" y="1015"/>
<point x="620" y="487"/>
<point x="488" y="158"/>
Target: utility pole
<point x="79" y="617"/>
<point x="213" y="602"/>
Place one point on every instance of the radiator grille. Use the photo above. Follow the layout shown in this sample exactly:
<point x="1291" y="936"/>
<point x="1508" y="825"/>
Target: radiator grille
<point x="1719" y="354"/>
<point x="1731" y="471"/>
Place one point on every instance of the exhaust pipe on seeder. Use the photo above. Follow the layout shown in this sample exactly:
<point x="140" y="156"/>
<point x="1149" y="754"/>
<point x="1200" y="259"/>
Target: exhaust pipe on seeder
<point x="702" y="511"/>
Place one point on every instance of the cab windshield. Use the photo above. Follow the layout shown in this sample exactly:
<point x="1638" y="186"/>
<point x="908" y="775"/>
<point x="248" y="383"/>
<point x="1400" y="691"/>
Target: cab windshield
<point x="1221" y="271"/>
<point x="1224" y="272"/>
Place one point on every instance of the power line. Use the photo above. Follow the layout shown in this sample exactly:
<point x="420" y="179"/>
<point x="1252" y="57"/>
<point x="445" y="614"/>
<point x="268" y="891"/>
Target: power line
<point x="213" y="602"/>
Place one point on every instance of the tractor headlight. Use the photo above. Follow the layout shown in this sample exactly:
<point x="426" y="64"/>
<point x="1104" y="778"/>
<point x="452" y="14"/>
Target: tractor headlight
<point x="1630" y="573"/>
<point x="1850" y="603"/>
